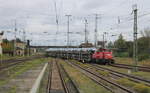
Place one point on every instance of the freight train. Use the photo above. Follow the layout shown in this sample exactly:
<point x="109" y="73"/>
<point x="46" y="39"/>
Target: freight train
<point x="90" y="55"/>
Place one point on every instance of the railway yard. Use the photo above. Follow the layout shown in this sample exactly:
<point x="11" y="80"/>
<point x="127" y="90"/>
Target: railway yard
<point x="75" y="46"/>
<point x="70" y="76"/>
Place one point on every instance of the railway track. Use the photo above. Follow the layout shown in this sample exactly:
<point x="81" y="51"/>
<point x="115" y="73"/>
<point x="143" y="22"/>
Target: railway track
<point x="123" y="75"/>
<point x="101" y="80"/>
<point x="141" y="68"/>
<point x="56" y="81"/>
<point x="13" y="62"/>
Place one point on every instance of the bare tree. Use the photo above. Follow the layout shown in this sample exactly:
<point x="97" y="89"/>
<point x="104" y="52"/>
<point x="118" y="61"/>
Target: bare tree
<point x="146" y="32"/>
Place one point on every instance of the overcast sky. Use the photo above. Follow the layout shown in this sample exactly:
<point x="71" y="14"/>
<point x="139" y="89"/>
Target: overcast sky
<point x="38" y="19"/>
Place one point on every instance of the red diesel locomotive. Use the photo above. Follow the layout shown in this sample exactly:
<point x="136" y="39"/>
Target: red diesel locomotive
<point x="103" y="56"/>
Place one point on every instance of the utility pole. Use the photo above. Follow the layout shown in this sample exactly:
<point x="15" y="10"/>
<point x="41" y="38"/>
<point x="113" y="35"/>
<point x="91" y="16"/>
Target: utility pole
<point x="14" y="52"/>
<point x="24" y="35"/>
<point x="86" y="38"/>
<point x="68" y="16"/>
<point x="96" y="22"/>
<point x="135" y="46"/>
<point x="104" y="39"/>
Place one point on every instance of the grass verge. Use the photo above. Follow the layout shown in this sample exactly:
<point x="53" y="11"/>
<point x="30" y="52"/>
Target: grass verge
<point x="138" y="87"/>
<point x="19" y="69"/>
<point x="142" y="74"/>
<point x="129" y="61"/>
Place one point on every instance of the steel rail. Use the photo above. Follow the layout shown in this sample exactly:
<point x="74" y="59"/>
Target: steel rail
<point x="103" y="78"/>
<point x="49" y="77"/>
<point x="141" y="68"/>
<point x="116" y="73"/>
<point x="62" y="80"/>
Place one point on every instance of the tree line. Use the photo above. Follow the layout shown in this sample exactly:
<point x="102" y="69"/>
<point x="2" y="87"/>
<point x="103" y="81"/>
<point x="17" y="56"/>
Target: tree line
<point x="124" y="48"/>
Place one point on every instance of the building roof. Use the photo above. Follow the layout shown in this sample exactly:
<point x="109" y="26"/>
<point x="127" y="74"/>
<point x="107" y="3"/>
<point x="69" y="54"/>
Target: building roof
<point x="18" y="48"/>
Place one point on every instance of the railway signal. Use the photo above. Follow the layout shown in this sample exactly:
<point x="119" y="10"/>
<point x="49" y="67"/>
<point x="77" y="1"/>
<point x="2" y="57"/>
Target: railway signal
<point x="1" y="41"/>
<point x="28" y="47"/>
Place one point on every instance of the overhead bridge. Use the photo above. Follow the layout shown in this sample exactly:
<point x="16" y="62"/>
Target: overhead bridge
<point x="45" y="47"/>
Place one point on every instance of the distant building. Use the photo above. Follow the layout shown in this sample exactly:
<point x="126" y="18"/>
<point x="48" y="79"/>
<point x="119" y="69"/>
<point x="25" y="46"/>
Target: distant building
<point x="86" y="45"/>
<point x="101" y="43"/>
<point x="20" y="48"/>
<point x="9" y="48"/>
<point x="33" y="51"/>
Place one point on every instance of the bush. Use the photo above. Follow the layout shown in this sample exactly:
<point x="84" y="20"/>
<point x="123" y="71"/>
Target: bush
<point x="46" y="55"/>
<point x="141" y="88"/>
<point x="121" y="54"/>
<point x="126" y="82"/>
<point x="104" y="73"/>
<point x="143" y="57"/>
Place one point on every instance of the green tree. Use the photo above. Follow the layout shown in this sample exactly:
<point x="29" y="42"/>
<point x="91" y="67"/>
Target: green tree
<point x="120" y="43"/>
<point x="110" y="45"/>
<point x="144" y="44"/>
<point x="18" y="40"/>
<point x="7" y="46"/>
<point x="5" y="41"/>
<point x="129" y="45"/>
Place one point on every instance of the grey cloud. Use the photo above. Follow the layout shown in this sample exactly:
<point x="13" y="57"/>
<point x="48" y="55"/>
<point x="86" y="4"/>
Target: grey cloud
<point x="38" y="16"/>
